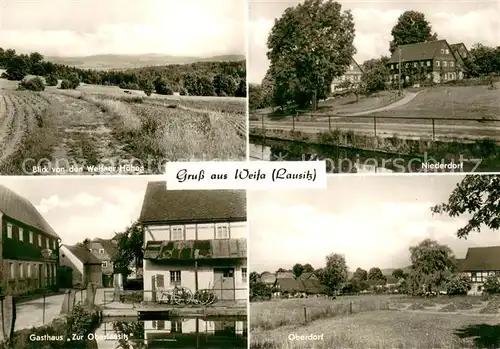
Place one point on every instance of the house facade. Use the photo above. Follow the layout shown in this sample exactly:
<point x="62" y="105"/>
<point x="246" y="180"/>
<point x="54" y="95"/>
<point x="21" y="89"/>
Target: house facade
<point x="434" y="61"/>
<point x="195" y="239"/>
<point x="85" y="267"/>
<point x="353" y="74"/>
<point x="104" y="250"/>
<point x="479" y="263"/>
<point x="29" y="247"/>
<point x="305" y="285"/>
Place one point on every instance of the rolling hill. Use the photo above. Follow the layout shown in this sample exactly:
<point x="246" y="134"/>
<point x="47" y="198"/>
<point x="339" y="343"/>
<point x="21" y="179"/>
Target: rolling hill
<point x="114" y="62"/>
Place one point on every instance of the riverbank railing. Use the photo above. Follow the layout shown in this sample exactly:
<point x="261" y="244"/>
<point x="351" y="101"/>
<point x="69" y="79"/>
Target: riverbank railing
<point x="374" y="125"/>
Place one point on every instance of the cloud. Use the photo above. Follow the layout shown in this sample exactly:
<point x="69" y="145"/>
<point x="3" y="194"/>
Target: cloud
<point x="187" y="28"/>
<point x="374" y="21"/>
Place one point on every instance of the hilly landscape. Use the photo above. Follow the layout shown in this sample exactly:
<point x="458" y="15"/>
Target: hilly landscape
<point x="120" y="62"/>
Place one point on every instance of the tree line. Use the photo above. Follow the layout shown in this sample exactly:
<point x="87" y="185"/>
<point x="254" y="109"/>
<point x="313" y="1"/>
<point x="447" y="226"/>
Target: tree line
<point x="303" y="65"/>
<point x="197" y="79"/>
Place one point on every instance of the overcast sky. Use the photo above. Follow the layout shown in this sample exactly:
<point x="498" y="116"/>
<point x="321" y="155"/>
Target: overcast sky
<point x="372" y="220"/>
<point x="89" y="27"/>
<point x="456" y="21"/>
<point x="77" y="208"/>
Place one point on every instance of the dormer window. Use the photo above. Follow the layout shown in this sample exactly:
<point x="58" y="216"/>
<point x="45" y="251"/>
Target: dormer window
<point x="177" y="233"/>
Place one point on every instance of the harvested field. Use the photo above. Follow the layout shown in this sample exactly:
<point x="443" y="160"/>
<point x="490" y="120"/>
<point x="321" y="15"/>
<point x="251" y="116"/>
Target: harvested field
<point x="70" y="132"/>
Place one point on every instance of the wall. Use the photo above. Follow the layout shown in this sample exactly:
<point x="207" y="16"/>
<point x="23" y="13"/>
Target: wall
<point x="67" y="258"/>
<point x="237" y="230"/>
<point x="23" y="283"/>
<point x="206" y="278"/>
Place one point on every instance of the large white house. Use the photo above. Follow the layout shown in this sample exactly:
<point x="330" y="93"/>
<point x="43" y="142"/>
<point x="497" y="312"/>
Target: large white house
<point x="195" y="239"/>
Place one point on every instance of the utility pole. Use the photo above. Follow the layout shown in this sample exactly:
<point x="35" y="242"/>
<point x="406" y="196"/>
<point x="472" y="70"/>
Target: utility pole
<point x="399" y="65"/>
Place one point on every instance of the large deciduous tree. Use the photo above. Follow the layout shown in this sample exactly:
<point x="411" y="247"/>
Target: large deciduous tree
<point x="335" y="272"/>
<point x="411" y="28"/>
<point x="308" y="46"/>
<point x="129" y="251"/>
<point x="432" y="265"/>
<point x="478" y="196"/>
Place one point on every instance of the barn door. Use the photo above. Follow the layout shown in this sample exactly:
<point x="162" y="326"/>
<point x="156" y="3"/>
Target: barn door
<point x="224" y="283"/>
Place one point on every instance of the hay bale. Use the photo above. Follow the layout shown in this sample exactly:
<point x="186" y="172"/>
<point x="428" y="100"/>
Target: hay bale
<point x="416" y="306"/>
<point x="449" y="308"/>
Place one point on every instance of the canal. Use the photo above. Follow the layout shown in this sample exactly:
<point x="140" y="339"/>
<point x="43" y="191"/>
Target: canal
<point x="151" y="333"/>
<point x="347" y="160"/>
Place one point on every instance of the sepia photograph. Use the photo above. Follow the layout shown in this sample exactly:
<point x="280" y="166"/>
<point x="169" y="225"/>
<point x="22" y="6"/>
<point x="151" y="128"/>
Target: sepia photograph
<point x="377" y="262"/>
<point x="121" y="263"/>
<point x="375" y="86"/>
<point x="120" y="87"/>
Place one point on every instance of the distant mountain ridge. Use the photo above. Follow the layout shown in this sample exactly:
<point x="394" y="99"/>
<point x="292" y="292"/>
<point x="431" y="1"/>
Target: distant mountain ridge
<point x="114" y="62"/>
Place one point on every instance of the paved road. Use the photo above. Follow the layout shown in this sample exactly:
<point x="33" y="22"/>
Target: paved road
<point x="30" y="314"/>
<point x="390" y="129"/>
<point x="409" y="96"/>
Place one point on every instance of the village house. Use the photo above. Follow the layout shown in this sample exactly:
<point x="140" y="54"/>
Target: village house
<point x="104" y="250"/>
<point x="85" y="267"/>
<point x="427" y="61"/>
<point x="312" y="285"/>
<point x="28" y="247"/>
<point x="195" y="239"/>
<point x="268" y="279"/>
<point x="353" y="74"/>
<point x="479" y="263"/>
<point x="306" y="284"/>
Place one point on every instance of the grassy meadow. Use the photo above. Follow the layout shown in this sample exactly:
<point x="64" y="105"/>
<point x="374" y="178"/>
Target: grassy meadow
<point x="101" y="125"/>
<point x="378" y="322"/>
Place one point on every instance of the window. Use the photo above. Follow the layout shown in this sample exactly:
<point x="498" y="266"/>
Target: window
<point x="54" y="245"/>
<point x="406" y="65"/>
<point x="31" y="236"/>
<point x="104" y="264"/>
<point x="9" y="231"/>
<point x="397" y="66"/>
<point x="21" y="234"/>
<point x="479" y="288"/>
<point x="12" y="271"/>
<point x="447" y="51"/>
<point x="176" y="327"/>
<point x="445" y="64"/>
<point x="101" y="251"/>
<point x="452" y="64"/>
<point x="177" y="233"/>
<point x="21" y="271"/>
<point x="175" y="277"/>
<point x="415" y="64"/>
<point x="421" y="63"/>
<point x="29" y="270"/>
<point x="351" y="67"/>
<point x="428" y="63"/>
<point x="222" y="231"/>
<point x="429" y="76"/>
<point x="47" y="243"/>
<point x="438" y="63"/>
<point x="442" y="51"/>
<point x="159" y="324"/>
<point x="393" y="66"/>
<point x="244" y="274"/>
<point x="39" y="240"/>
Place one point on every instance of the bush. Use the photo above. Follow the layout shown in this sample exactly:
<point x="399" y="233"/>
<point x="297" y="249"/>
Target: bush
<point x="51" y="80"/>
<point x="492" y="284"/>
<point x="34" y="84"/>
<point x="134" y="284"/>
<point x="459" y="284"/>
<point x="67" y="85"/>
<point x="129" y="86"/>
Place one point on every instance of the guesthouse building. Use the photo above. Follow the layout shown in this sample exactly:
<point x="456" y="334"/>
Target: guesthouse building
<point x="195" y="239"/>
<point x="29" y="246"/>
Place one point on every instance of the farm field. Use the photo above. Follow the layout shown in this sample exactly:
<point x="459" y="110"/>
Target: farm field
<point x="100" y="125"/>
<point x="377" y="322"/>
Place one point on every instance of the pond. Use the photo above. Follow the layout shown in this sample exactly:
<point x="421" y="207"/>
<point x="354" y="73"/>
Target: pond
<point x="207" y="333"/>
<point x="347" y="160"/>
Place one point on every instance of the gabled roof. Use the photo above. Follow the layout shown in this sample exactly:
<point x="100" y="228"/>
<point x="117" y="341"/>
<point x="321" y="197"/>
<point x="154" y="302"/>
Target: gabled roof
<point x="481" y="259"/>
<point x="107" y="245"/>
<point x="83" y="254"/>
<point x="289" y="285"/>
<point x="418" y="52"/>
<point x="21" y="209"/>
<point x="162" y="205"/>
<point x="305" y="276"/>
<point x="284" y="275"/>
<point x="354" y="63"/>
<point x="196" y="249"/>
<point x="455" y="47"/>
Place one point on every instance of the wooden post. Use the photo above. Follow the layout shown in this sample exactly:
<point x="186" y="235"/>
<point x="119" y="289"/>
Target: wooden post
<point x="305" y="314"/>
<point x="350" y="307"/>
<point x="329" y="123"/>
<point x="196" y="276"/>
<point x="293" y="121"/>
<point x="433" y="129"/>
<point x="375" y="126"/>
<point x="43" y="309"/>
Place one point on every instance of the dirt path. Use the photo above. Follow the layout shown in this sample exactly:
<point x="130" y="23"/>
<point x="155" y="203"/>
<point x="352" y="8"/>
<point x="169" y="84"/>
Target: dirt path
<point x="408" y="97"/>
<point x="84" y="135"/>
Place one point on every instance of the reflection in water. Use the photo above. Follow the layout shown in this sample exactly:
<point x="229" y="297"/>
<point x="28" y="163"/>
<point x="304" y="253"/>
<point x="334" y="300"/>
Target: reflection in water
<point x="342" y="160"/>
<point x="174" y="333"/>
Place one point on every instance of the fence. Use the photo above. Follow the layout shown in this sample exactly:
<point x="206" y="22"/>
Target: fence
<point x="178" y="296"/>
<point x="433" y="125"/>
